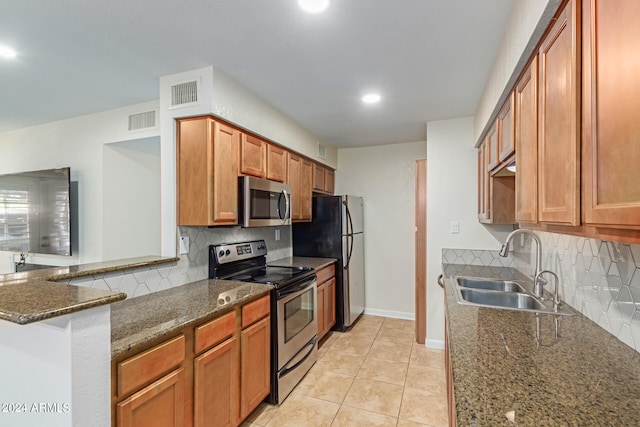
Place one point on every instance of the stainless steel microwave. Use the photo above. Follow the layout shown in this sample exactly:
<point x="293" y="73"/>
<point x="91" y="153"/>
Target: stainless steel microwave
<point x="263" y="203"/>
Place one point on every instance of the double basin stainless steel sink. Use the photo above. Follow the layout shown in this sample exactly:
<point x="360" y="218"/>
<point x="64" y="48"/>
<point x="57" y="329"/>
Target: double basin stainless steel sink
<point x="501" y="294"/>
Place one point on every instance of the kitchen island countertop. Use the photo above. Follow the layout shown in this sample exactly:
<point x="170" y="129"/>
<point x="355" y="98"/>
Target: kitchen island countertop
<point x="509" y="368"/>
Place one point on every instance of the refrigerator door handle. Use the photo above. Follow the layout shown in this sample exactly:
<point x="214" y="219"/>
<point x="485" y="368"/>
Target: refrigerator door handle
<point x="349" y="235"/>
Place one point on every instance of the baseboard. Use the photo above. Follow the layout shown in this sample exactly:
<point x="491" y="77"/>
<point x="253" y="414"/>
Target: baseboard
<point x="388" y="313"/>
<point x="436" y="344"/>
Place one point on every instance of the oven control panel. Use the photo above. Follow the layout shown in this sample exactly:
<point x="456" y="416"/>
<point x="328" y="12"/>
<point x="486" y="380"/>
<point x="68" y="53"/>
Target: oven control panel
<point x="230" y="252"/>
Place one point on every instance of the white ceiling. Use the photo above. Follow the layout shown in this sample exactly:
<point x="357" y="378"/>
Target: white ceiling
<point x="429" y="59"/>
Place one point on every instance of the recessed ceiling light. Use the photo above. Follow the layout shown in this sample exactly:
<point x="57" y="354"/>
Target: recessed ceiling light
<point x="371" y="98"/>
<point x="6" y="52"/>
<point x="313" y="6"/>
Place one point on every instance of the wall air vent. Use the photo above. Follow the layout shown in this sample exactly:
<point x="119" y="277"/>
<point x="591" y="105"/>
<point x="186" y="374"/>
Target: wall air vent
<point x="183" y="94"/>
<point x="322" y="151"/>
<point x="144" y="120"/>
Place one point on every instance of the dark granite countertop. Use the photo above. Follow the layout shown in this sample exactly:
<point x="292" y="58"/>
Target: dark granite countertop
<point x="32" y="296"/>
<point x="30" y="302"/>
<point x="54" y="274"/>
<point x="503" y="368"/>
<point x="298" y="261"/>
<point x="138" y="321"/>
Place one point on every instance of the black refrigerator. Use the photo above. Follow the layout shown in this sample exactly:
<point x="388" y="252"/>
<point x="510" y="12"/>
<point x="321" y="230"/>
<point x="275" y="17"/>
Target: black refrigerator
<point x="337" y="231"/>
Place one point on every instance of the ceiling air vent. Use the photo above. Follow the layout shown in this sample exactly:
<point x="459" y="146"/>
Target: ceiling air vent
<point x="322" y="151"/>
<point x="144" y="120"/>
<point x="183" y="94"/>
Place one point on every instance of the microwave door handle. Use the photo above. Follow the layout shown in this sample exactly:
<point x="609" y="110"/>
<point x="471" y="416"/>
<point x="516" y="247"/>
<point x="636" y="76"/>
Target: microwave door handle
<point x="287" y="207"/>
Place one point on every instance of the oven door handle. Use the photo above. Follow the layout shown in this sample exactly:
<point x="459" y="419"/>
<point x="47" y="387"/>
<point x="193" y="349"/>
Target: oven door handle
<point x="288" y="369"/>
<point x="294" y="289"/>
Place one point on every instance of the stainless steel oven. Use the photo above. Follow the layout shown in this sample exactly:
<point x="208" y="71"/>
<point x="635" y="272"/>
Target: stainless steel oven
<point x="297" y="329"/>
<point x="294" y="324"/>
<point x="263" y="202"/>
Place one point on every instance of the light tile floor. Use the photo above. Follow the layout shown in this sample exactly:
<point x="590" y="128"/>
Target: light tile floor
<point x="373" y="375"/>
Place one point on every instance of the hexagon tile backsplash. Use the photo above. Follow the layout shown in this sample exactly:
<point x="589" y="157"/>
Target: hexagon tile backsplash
<point x="193" y="266"/>
<point x="600" y="279"/>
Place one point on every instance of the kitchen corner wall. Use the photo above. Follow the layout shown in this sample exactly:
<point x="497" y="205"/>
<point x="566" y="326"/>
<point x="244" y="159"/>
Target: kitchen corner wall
<point x="600" y="279"/>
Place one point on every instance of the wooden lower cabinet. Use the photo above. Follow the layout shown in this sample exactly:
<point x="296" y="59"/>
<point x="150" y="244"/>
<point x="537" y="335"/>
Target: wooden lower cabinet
<point x="215" y="372"/>
<point x="326" y="298"/>
<point x="255" y="364"/>
<point x="212" y="375"/>
<point x="159" y="404"/>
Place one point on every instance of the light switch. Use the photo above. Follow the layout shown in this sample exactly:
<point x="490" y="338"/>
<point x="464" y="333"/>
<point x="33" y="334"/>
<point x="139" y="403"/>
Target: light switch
<point x="277" y="234"/>
<point x="184" y="245"/>
<point x="455" y="227"/>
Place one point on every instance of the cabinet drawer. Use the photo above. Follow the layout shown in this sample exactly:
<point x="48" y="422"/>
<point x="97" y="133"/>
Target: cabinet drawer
<point x="255" y="310"/>
<point x="149" y="365"/>
<point x="326" y="273"/>
<point x="214" y="332"/>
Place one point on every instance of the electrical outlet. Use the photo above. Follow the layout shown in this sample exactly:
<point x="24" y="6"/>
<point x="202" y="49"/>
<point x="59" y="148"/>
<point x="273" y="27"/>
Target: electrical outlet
<point x="455" y="227"/>
<point x="184" y="245"/>
<point x="277" y="234"/>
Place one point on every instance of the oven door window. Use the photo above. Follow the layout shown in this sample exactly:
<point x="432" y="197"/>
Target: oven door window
<point x="267" y="204"/>
<point x="298" y="314"/>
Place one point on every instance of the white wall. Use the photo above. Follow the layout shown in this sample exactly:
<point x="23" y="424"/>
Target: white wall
<point x="132" y="183"/>
<point x="222" y="96"/>
<point x="526" y="25"/>
<point x="452" y="195"/>
<point x="384" y="176"/>
<point x="77" y="143"/>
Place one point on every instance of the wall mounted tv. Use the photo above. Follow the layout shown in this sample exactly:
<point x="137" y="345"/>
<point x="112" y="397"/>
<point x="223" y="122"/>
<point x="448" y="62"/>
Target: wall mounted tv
<point x="34" y="212"/>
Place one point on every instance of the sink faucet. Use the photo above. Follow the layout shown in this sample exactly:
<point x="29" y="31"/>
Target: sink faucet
<point x="556" y="295"/>
<point x="504" y="251"/>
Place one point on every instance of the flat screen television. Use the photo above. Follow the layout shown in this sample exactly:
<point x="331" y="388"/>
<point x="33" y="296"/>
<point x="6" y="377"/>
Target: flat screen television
<point x="35" y="212"/>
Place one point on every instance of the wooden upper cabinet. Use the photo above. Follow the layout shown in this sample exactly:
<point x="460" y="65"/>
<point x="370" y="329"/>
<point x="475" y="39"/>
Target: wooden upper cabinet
<point x="276" y="163"/>
<point x="484" y="215"/>
<point x="526" y="144"/>
<point x="491" y="148"/>
<point x="299" y="177"/>
<point x="506" y="129"/>
<point x="323" y="179"/>
<point x="559" y="121"/>
<point x="306" y="176"/>
<point x="294" y="170"/>
<point x="318" y="177"/>
<point x="253" y="156"/>
<point x="611" y="128"/>
<point x="207" y="172"/>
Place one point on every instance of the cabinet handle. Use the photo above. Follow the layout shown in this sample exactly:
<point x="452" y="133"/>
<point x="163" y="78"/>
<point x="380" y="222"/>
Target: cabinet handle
<point x="441" y="281"/>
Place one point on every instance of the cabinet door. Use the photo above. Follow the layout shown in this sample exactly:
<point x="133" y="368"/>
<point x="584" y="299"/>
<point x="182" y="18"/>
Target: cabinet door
<point x="294" y="171"/>
<point x="611" y="131"/>
<point x="306" y="176"/>
<point x="483" y="185"/>
<point x="526" y="139"/>
<point x="492" y="148"/>
<point x="276" y="163"/>
<point x="216" y="391"/>
<point x="321" y="309"/>
<point x="558" y="118"/>
<point x="253" y="156"/>
<point x="506" y="129"/>
<point x="330" y="309"/>
<point x="255" y="349"/>
<point x="329" y="181"/>
<point x="318" y="177"/>
<point x="223" y="191"/>
<point x="160" y="404"/>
